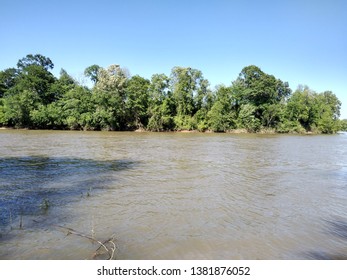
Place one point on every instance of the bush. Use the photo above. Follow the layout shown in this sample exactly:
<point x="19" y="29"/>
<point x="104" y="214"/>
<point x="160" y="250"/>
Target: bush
<point x="288" y="126"/>
<point x="247" y="118"/>
<point x="184" y="122"/>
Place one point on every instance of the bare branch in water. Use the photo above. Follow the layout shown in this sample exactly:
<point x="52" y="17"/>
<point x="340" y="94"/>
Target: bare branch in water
<point x="109" y="245"/>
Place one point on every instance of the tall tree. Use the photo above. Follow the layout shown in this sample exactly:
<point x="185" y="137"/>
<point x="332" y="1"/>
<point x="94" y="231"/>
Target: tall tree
<point x="183" y="86"/>
<point x="221" y="117"/>
<point x="62" y="85"/>
<point x="343" y="125"/>
<point x="78" y="107"/>
<point x="8" y="79"/>
<point x="260" y="88"/>
<point x="326" y="112"/>
<point x="161" y="105"/>
<point x="30" y="96"/>
<point x="189" y="89"/>
<point x="264" y="92"/>
<point x="110" y="97"/>
<point x="299" y="107"/>
<point x="92" y="72"/>
<point x="36" y="59"/>
<point x="137" y="101"/>
<point x="36" y="79"/>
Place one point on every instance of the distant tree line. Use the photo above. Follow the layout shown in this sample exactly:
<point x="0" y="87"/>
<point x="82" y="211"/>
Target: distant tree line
<point x="32" y="97"/>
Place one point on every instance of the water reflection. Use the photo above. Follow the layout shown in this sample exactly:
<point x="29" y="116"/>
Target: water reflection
<point x="321" y="255"/>
<point x="27" y="183"/>
<point x="337" y="228"/>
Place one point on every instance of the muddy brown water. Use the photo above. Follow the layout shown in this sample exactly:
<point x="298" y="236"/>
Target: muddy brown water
<point x="173" y="195"/>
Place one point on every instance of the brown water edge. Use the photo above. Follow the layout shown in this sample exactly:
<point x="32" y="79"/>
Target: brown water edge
<point x="268" y="131"/>
<point x="192" y="196"/>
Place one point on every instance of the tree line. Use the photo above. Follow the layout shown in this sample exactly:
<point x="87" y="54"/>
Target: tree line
<point x="32" y="97"/>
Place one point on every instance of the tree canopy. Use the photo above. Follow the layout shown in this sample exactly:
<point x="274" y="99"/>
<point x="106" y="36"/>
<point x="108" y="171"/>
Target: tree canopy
<point x="32" y="97"/>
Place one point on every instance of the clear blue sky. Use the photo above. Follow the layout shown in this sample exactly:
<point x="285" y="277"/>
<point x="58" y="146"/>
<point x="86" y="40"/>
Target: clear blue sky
<point x="299" y="41"/>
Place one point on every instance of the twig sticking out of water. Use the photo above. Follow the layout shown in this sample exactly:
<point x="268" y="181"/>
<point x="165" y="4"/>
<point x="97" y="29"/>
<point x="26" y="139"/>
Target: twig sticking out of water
<point x="21" y="222"/>
<point x="109" y="246"/>
<point x="20" y="225"/>
<point x="11" y="227"/>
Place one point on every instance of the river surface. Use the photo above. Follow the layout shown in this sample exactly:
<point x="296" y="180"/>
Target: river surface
<point x="172" y="195"/>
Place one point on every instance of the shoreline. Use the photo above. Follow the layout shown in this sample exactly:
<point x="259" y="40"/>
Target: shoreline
<point x="184" y="131"/>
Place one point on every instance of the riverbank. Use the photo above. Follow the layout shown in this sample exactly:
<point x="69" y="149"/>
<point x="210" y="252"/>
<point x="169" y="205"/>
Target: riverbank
<point x="232" y="131"/>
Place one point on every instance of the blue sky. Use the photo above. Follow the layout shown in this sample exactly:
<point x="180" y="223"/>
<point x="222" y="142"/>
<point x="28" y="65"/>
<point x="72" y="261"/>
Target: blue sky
<point x="299" y="41"/>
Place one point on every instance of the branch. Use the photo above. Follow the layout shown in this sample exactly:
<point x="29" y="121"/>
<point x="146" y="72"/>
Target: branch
<point x="110" y="251"/>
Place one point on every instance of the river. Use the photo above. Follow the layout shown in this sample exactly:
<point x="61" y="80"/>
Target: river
<point x="172" y="195"/>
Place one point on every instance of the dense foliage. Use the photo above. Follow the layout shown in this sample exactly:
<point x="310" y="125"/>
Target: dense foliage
<point x="32" y="97"/>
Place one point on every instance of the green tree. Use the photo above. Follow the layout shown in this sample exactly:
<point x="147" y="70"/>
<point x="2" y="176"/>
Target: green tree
<point x="8" y="79"/>
<point x="30" y="96"/>
<point x="299" y="107"/>
<point x="182" y="86"/>
<point x="92" y="72"/>
<point x="263" y="91"/>
<point x="159" y="89"/>
<point x="201" y="116"/>
<point x="314" y="112"/>
<point x="137" y="101"/>
<point x="343" y="125"/>
<point x="2" y="114"/>
<point x="38" y="60"/>
<point x="221" y="116"/>
<point x="25" y="88"/>
<point x="77" y="108"/>
<point x="49" y="116"/>
<point x="271" y="114"/>
<point x="110" y="98"/>
<point x="161" y="118"/>
<point x="331" y="103"/>
<point x="33" y="75"/>
<point x="326" y="112"/>
<point x="161" y="107"/>
<point x="17" y="107"/>
<point x="189" y="90"/>
<point x="60" y="86"/>
<point x="259" y="88"/>
<point x="35" y="78"/>
<point x="247" y="118"/>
